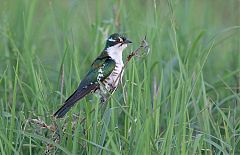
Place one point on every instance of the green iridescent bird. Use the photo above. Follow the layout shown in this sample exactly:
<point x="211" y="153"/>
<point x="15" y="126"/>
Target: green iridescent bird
<point x="104" y="74"/>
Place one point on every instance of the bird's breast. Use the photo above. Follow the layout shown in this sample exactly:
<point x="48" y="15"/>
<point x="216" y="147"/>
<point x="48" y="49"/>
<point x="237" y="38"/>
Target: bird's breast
<point x="113" y="79"/>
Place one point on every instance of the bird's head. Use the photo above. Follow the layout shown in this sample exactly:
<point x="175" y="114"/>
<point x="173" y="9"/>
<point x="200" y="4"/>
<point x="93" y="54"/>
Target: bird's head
<point x="117" y="42"/>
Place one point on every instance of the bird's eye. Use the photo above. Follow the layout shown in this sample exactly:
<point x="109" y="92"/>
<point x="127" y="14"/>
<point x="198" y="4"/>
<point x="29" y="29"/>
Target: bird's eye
<point x="119" y="40"/>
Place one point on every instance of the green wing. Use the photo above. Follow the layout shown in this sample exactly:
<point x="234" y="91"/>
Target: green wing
<point x="89" y="83"/>
<point x="103" y="66"/>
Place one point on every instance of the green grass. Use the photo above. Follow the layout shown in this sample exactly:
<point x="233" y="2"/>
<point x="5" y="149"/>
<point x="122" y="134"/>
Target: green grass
<point x="182" y="98"/>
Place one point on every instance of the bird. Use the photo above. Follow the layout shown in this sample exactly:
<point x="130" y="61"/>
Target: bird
<point x="103" y="76"/>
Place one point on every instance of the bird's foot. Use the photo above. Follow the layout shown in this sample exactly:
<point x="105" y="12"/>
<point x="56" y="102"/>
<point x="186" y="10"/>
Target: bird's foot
<point x="103" y="99"/>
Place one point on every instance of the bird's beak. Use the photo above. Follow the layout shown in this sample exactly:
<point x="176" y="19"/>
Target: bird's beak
<point x="127" y="41"/>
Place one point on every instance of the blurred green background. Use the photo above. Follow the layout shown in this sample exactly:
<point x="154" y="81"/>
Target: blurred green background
<point x="181" y="98"/>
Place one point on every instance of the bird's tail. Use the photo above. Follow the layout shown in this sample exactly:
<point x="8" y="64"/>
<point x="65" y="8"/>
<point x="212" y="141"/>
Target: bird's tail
<point x="68" y="104"/>
<point x="77" y="95"/>
<point x="62" y="111"/>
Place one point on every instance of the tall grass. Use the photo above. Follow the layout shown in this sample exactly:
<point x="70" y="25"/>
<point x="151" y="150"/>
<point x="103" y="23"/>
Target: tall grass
<point x="182" y="98"/>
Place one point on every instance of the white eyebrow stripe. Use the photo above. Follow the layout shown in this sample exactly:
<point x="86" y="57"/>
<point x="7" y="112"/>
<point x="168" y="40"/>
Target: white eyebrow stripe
<point x="110" y="39"/>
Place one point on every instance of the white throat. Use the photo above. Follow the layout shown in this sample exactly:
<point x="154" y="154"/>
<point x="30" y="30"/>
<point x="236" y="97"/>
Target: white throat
<point x="115" y="52"/>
